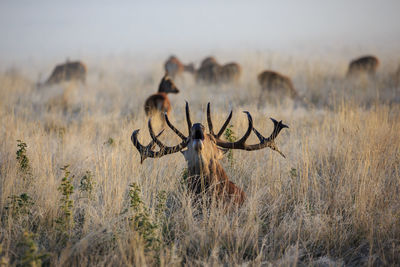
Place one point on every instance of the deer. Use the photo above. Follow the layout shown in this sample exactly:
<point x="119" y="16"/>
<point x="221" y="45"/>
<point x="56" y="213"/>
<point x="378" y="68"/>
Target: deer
<point x="203" y="152"/>
<point x="364" y="64"/>
<point x="230" y="72"/>
<point x="159" y="103"/>
<point x="211" y="72"/>
<point x="69" y="71"/>
<point x="174" y="67"/>
<point x="273" y="81"/>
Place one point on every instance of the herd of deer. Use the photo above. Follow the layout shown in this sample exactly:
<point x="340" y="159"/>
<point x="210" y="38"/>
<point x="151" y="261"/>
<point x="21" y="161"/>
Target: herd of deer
<point x="203" y="151"/>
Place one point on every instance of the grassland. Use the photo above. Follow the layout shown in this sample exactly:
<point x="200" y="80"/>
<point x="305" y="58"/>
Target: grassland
<point x="334" y="200"/>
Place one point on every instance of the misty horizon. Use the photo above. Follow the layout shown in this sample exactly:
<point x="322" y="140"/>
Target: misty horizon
<point x="47" y="29"/>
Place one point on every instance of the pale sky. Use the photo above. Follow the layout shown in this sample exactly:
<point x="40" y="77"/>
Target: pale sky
<point x="74" y="28"/>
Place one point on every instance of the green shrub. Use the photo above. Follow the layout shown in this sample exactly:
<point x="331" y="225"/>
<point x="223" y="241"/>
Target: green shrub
<point x="141" y="220"/>
<point x="87" y="184"/>
<point x="18" y="206"/>
<point x="230" y="136"/>
<point x="23" y="160"/>
<point x="31" y="256"/>
<point x="65" y="220"/>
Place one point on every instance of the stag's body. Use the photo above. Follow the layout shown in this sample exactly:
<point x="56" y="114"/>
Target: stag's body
<point x="275" y="82"/>
<point x="365" y="64"/>
<point x="174" y="67"/>
<point x="159" y="102"/>
<point x="69" y="71"/>
<point x="205" y="173"/>
<point x="203" y="152"/>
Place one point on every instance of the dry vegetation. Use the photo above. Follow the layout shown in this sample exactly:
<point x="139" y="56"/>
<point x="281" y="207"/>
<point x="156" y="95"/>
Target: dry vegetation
<point x="335" y="199"/>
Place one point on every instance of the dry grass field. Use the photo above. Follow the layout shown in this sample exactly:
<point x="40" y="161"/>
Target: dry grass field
<point x="76" y="194"/>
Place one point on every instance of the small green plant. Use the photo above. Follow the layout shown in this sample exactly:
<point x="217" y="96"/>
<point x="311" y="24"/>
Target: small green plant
<point x="65" y="220"/>
<point x="31" y="256"/>
<point x="141" y="221"/>
<point x="184" y="175"/>
<point x="110" y="141"/>
<point x="161" y="206"/>
<point x="230" y="136"/>
<point x="293" y="173"/>
<point x="19" y="205"/>
<point x="22" y="158"/>
<point x="87" y="184"/>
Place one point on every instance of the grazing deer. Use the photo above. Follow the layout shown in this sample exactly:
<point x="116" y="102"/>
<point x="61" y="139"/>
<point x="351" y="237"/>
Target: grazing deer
<point x="275" y="82"/>
<point x="69" y="71"/>
<point x="209" y="61"/>
<point x="203" y="152"/>
<point x="230" y="72"/>
<point x="174" y="67"/>
<point x="365" y="64"/>
<point x="159" y="102"/>
<point x="211" y="72"/>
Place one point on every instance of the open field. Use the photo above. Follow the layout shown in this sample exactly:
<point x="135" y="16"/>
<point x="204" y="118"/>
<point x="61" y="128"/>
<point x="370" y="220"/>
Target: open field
<point x="334" y="200"/>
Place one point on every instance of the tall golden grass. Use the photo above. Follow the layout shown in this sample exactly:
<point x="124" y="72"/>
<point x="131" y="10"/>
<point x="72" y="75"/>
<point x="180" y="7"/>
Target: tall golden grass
<point x="335" y="199"/>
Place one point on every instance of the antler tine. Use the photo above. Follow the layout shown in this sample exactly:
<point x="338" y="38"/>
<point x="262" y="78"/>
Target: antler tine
<point x="210" y="125"/>
<point x="149" y="147"/>
<point x="153" y="136"/>
<point x="165" y="150"/>
<point x="225" y="125"/>
<point x="209" y="121"/>
<point x="240" y="144"/>
<point x="181" y="135"/>
<point x="189" y="122"/>
<point x="270" y="141"/>
<point x="145" y="151"/>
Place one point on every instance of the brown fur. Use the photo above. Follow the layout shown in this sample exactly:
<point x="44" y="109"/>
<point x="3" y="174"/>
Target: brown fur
<point x="70" y="71"/>
<point x="365" y="64"/>
<point x="174" y="67"/>
<point x="274" y="81"/>
<point x="206" y="174"/>
<point x="229" y="72"/>
<point x="159" y="102"/>
<point x="211" y="72"/>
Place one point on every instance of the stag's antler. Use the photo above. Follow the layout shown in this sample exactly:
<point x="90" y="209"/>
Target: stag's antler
<point x="147" y="151"/>
<point x="210" y="124"/>
<point x="241" y="143"/>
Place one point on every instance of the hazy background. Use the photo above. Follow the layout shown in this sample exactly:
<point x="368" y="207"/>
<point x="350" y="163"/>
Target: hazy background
<point x="42" y="30"/>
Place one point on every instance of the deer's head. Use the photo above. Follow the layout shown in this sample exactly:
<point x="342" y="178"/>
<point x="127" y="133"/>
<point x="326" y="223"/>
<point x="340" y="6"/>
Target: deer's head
<point x="167" y="85"/>
<point x="199" y="143"/>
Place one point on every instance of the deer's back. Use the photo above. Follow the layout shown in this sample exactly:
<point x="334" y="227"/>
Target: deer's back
<point x="157" y="103"/>
<point x="272" y="81"/>
<point x="367" y="64"/>
<point x="68" y="72"/>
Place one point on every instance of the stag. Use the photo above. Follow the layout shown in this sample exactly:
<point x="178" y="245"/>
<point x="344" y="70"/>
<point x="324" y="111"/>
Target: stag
<point x="174" y="67"/>
<point x="69" y="71"/>
<point x="203" y="152"/>
<point x="365" y="64"/>
<point x="159" y="102"/>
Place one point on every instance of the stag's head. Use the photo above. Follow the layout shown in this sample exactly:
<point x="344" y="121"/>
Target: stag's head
<point x="202" y="145"/>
